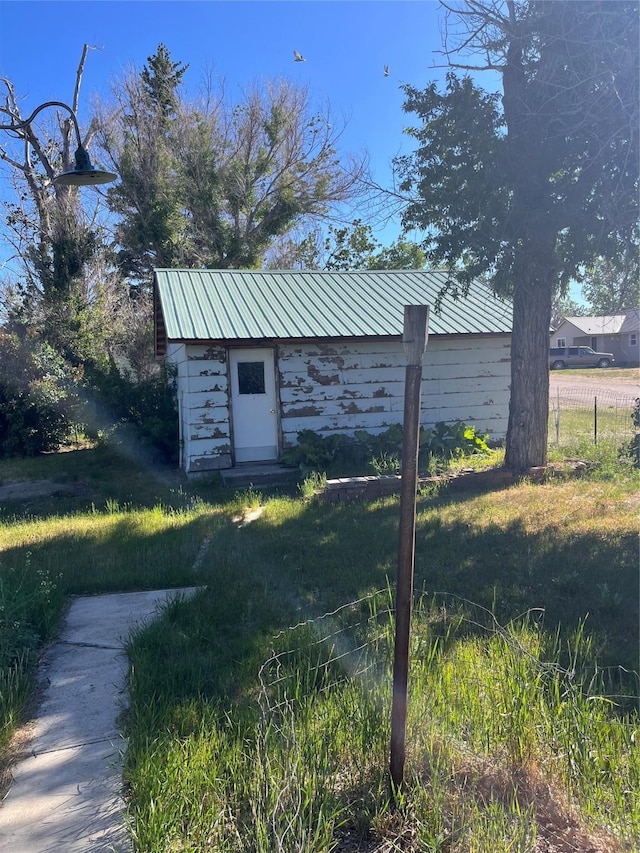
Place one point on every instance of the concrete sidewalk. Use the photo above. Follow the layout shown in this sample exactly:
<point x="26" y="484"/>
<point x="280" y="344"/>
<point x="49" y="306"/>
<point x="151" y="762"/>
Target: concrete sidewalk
<point x="66" y="796"/>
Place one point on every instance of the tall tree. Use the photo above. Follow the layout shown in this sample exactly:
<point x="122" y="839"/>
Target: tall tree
<point x="213" y="183"/>
<point x="613" y="288"/>
<point x="51" y="232"/>
<point x="140" y="140"/>
<point x="55" y="230"/>
<point x="349" y="247"/>
<point x="161" y="79"/>
<point x="530" y="186"/>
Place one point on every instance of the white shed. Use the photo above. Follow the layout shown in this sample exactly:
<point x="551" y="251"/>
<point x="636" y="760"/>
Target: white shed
<point x="264" y="354"/>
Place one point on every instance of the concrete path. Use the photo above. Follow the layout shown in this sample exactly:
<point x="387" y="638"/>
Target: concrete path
<point x="66" y="796"/>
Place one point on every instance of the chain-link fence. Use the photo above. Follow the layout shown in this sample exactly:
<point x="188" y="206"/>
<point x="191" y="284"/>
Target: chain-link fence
<point x="579" y="412"/>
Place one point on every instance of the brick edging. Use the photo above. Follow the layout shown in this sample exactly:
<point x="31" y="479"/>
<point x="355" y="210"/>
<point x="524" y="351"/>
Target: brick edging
<point x="371" y="487"/>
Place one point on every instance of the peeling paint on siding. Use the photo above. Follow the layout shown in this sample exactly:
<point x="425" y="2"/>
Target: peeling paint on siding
<point x="210" y="462"/>
<point x="320" y="378"/>
<point x="341" y="388"/>
<point x="337" y="360"/>
<point x="462" y="379"/>
<point x="354" y="409"/>
<point x="200" y="353"/>
<point x="216" y="432"/>
<point x="208" y="373"/>
<point x="302" y="412"/>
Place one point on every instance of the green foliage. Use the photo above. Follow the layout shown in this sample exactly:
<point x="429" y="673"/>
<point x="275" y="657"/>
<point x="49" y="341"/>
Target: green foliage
<point x="315" y="452"/>
<point x="529" y="187"/>
<point x="161" y="78"/>
<point x="59" y="263"/>
<point x="382" y="452"/>
<point x="214" y="185"/>
<point x="146" y="409"/>
<point x="297" y="758"/>
<point x="312" y="483"/>
<point x="352" y="247"/>
<point x="36" y="396"/>
<point x="452" y="441"/>
<point x="458" y="157"/>
<point x="386" y="463"/>
<point x="30" y="603"/>
<point x="632" y="450"/>
<point x="480" y="156"/>
<point x="613" y="286"/>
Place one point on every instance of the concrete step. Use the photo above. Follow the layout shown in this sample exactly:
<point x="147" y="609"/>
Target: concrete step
<point x="252" y="474"/>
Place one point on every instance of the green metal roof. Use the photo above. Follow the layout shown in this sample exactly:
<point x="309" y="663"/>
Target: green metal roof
<point x="225" y="305"/>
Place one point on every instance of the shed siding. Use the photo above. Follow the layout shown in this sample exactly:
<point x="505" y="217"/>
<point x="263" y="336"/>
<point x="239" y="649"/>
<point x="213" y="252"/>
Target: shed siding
<point x="204" y="406"/>
<point x="343" y="388"/>
<point x="350" y="386"/>
<point x="176" y="354"/>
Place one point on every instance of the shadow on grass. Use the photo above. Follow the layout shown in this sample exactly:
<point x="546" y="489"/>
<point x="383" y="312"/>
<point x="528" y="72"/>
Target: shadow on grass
<point x="92" y="477"/>
<point x="300" y="560"/>
<point x="303" y="560"/>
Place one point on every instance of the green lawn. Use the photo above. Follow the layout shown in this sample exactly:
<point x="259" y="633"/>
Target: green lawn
<point x="260" y="709"/>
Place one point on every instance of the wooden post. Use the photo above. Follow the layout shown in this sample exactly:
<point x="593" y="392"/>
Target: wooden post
<point x="416" y="321"/>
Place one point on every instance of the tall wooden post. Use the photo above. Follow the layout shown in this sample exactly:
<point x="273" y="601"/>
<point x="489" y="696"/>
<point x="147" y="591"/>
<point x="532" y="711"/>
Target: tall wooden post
<point x="416" y="321"/>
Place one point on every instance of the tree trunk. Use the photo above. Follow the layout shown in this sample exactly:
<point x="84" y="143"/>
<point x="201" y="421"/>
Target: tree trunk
<point x="526" y="444"/>
<point x="535" y="265"/>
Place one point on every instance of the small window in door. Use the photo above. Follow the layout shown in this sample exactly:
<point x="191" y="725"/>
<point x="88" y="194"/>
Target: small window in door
<point x="251" y="377"/>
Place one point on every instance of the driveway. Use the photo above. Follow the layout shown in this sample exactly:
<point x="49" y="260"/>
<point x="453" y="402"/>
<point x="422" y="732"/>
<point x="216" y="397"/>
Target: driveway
<point x="623" y="383"/>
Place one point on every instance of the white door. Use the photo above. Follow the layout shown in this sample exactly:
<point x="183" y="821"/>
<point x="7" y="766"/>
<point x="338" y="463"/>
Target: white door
<point x="253" y="403"/>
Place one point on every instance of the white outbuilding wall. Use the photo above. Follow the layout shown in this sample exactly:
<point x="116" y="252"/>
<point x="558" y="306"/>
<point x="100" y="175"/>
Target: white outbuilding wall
<point x="343" y="387"/>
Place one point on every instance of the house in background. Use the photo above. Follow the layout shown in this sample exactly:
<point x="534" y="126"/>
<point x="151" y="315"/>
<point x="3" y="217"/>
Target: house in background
<point x="262" y="355"/>
<point x="615" y="333"/>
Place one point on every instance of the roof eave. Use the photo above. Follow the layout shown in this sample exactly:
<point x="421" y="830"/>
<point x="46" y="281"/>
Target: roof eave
<point x="271" y="341"/>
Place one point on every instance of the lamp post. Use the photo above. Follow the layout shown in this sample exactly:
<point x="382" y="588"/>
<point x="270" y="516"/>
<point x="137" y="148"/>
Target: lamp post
<point x="84" y="174"/>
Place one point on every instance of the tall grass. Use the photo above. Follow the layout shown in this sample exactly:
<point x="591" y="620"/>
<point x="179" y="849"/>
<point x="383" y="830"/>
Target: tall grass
<point x="504" y="745"/>
<point x="259" y="717"/>
<point x="30" y="603"/>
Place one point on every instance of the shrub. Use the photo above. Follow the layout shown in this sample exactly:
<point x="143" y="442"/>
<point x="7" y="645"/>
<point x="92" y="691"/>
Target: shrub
<point x="315" y="452"/>
<point x="633" y="447"/>
<point x="452" y="441"/>
<point x="37" y="400"/>
<point x="382" y="452"/>
<point x="147" y="410"/>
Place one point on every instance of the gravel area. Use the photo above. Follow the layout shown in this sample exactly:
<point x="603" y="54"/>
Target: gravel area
<point x="616" y="382"/>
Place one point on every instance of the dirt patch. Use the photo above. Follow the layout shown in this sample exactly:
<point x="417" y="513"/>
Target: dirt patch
<point x="26" y="490"/>
<point x="597" y="382"/>
<point x="481" y="785"/>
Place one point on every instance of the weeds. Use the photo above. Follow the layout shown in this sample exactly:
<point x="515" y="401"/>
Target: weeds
<point x="312" y="484"/>
<point x="247" y="734"/>
<point x="30" y="603"/>
<point x="501" y="745"/>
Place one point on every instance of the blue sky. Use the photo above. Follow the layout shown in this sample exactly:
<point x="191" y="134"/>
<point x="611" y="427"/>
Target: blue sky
<point x="346" y="44"/>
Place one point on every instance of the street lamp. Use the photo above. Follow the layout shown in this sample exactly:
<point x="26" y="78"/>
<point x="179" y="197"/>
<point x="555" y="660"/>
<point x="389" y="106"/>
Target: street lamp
<point x="84" y="174"/>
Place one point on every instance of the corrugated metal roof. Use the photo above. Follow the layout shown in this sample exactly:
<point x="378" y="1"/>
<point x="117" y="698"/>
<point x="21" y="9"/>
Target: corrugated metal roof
<point x="230" y="305"/>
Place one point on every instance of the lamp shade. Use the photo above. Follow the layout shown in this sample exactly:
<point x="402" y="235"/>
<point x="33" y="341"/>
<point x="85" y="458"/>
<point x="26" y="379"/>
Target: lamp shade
<point x="84" y="174"/>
